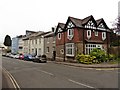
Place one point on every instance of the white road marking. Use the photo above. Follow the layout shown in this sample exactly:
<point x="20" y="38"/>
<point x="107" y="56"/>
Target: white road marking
<point x="106" y="69"/>
<point x="81" y="84"/>
<point x="46" y="72"/>
<point x="88" y="68"/>
<point x="14" y="82"/>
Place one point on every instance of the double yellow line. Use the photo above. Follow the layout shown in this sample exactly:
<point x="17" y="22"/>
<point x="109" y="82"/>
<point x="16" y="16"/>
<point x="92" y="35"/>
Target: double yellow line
<point x="15" y="84"/>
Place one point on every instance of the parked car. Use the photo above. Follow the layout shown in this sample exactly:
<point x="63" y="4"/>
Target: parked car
<point x="40" y="59"/>
<point x="21" y="56"/>
<point x="29" y="57"/>
<point x="11" y="55"/>
<point x="16" y="56"/>
<point x="8" y="54"/>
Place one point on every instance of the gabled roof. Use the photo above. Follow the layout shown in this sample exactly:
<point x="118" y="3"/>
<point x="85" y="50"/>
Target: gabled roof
<point x="60" y="25"/>
<point x="99" y="21"/>
<point x="85" y="20"/>
<point x="80" y="22"/>
<point x="76" y="21"/>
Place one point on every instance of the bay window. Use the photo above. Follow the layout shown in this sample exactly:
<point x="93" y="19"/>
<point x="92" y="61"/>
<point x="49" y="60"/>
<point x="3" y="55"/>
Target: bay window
<point x="70" y="49"/>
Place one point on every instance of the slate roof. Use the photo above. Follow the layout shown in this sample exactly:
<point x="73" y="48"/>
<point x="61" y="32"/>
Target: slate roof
<point x="76" y="21"/>
<point x="85" y="20"/>
<point x="81" y="22"/>
<point x="98" y="21"/>
<point x="62" y="25"/>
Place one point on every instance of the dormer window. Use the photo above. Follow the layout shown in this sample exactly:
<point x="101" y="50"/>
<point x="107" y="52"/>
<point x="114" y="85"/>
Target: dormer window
<point x="88" y="34"/>
<point x="70" y="34"/>
<point x="103" y="35"/>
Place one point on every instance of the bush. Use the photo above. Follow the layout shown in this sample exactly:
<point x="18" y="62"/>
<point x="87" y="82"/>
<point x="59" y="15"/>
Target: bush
<point x="111" y="57"/>
<point x="99" y="54"/>
<point x="86" y="59"/>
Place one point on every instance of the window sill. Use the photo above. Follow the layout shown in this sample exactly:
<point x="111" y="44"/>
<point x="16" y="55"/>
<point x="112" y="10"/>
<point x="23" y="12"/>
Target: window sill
<point x="68" y="55"/>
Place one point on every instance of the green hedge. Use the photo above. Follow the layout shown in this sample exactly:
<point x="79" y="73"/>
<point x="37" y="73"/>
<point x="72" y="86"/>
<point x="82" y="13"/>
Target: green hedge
<point x="86" y="59"/>
<point x="96" y="56"/>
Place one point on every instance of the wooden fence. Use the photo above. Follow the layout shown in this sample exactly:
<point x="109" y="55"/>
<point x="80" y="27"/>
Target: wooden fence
<point x="115" y="50"/>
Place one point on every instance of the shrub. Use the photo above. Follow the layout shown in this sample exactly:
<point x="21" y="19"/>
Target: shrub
<point x="99" y="54"/>
<point x="86" y="59"/>
<point x="111" y="57"/>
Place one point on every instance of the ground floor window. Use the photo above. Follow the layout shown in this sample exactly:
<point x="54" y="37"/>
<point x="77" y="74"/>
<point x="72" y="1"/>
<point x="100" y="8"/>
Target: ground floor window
<point x="69" y="49"/>
<point x="90" y="47"/>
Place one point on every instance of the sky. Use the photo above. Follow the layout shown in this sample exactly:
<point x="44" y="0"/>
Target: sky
<point x="17" y="16"/>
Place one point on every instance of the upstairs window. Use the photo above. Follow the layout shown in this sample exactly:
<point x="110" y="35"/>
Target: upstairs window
<point x="39" y="40"/>
<point x="59" y="33"/>
<point x="70" y="34"/>
<point x="47" y="49"/>
<point x="88" y="34"/>
<point x="59" y="36"/>
<point x="48" y="40"/>
<point x="35" y="41"/>
<point x="96" y="33"/>
<point x="103" y="35"/>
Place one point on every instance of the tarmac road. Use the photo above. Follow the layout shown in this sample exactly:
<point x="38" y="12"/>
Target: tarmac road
<point x="50" y="75"/>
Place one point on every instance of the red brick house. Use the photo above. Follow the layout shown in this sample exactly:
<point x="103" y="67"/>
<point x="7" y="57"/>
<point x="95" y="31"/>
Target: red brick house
<point x="81" y="36"/>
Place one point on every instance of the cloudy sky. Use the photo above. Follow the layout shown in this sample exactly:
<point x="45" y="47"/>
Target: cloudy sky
<point x="16" y="16"/>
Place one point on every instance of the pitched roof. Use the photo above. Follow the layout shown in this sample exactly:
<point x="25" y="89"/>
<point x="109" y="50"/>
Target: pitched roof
<point x="50" y="34"/>
<point x="102" y="20"/>
<point x="85" y="20"/>
<point x="99" y="21"/>
<point x="62" y="25"/>
<point x="80" y="22"/>
<point x="76" y="21"/>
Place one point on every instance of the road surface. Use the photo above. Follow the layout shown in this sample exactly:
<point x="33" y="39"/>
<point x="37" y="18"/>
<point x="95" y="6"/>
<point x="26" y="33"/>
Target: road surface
<point x="50" y="75"/>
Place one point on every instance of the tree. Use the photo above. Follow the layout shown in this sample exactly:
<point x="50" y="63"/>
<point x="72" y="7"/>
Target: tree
<point x="7" y="41"/>
<point x="115" y="38"/>
<point x="116" y="25"/>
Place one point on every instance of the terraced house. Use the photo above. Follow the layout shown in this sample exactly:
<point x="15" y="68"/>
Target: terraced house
<point x="40" y="43"/>
<point x="81" y="36"/>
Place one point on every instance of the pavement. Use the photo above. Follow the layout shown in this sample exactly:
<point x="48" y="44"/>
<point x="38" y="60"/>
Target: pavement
<point x="103" y="65"/>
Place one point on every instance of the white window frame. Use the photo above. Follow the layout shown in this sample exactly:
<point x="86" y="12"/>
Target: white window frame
<point x="90" y="47"/>
<point x="68" y="47"/>
<point x="59" y="35"/>
<point x="88" y="36"/>
<point x="70" y="34"/>
<point x="103" y="35"/>
<point x="96" y="33"/>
